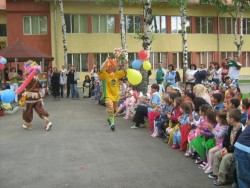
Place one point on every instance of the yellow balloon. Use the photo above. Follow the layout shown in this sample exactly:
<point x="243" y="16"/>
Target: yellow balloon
<point x="134" y="76"/>
<point x="147" y="65"/>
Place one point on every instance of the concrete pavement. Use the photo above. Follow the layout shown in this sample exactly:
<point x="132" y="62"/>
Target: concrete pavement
<point x="81" y="151"/>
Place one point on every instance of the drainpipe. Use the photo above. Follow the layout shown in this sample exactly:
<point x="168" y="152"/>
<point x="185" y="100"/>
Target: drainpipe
<point x="55" y="30"/>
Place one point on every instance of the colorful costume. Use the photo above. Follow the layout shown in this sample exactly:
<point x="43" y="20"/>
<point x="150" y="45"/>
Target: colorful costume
<point x="110" y="89"/>
<point x="34" y="93"/>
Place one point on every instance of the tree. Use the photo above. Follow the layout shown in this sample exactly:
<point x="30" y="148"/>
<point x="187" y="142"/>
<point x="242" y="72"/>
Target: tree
<point x="236" y="10"/>
<point x="122" y="27"/>
<point x="147" y="41"/>
<point x="183" y="13"/>
<point x="63" y="33"/>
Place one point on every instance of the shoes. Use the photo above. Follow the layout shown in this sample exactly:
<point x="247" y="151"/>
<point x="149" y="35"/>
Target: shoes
<point x="182" y="150"/>
<point x="202" y="165"/>
<point x="48" y="127"/>
<point x="198" y="161"/>
<point x="175" y="146"/>
<point x="188" y="154"/>
<point x="208" y="170"/>
<point x="194" y="155"/>
<point x="134" y="127"/>
<point x="112" y="127"/>
<point x="154" y="135"/>
<point x="142" y="126"/>
<point x="212" y="176"/>
<point x="27" y="127"/>
<point x="218" y="183"/>
<point x="125" y="117"/>
<point x="205" y="168"/>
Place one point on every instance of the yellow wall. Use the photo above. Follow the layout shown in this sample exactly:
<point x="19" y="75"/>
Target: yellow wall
<point x="103" y="43"/>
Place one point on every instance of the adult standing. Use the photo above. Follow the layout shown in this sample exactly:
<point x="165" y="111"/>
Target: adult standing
<point x="201" y="75"/>
<point x="189" y="75"/>
<point x="55" y="83"/>
<point x="13" y="76"/>
<point x="64" y="77"/>
<point x="160" y="73"/>
<point x="110" y="90"/>
<point x="94" y="75"/>
<point x="170" y="75"/>
<point x="68" y="84"/>
<point x="234" y="70"/>
<point x="73" y="83"/>
<point x="224" y="71"/>
<point x="216" y="72"/>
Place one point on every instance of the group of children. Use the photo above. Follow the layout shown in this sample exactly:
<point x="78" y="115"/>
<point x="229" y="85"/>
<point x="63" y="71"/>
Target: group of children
<point x="203" y="121"/>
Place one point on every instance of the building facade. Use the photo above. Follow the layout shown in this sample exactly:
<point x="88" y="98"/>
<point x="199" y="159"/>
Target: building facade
<point x="93" y="31"/>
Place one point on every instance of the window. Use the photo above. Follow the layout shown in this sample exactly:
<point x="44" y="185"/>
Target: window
<point x="177" y="59"/>
<point x="35" y="25"/>
<point x="228" y="54"/>
<point x="156" y="57"/>
<point x="246" y="26"/>
<point x="204" y="25"/>
<point x="76" y="23"/>
<point x="204" y="58"/>
<point x="131" y="58"/>
<point x="226" y="26"/>
<point x="133" y="24"/>
<point x="245" y="59"/>
<point x="80" y="61"/>
<point x="159" y="24"/>
<point x="103" y="24"/>
<point x="176" y="24"/>
<point x="3" y="30"/>
<point x="100" y="58"/>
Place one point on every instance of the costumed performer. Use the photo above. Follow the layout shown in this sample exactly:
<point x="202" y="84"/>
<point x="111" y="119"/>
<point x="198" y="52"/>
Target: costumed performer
<point x="34" y="94"/>
<point x="110" y="86"/>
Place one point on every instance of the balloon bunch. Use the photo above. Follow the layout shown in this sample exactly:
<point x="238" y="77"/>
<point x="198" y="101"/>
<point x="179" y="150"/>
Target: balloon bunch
<point x="142" y="61"/>
<point x="32" y="65"/>
<point x="119" y="53"/>
<point x="134" y="76"/>
<point x="3" y="61"/>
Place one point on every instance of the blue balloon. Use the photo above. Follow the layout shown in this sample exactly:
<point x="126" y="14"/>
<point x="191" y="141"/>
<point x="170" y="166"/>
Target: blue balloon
<point x="137" y="64"/>
<point x="8" y="96"/>
<point x="3" y="61"/>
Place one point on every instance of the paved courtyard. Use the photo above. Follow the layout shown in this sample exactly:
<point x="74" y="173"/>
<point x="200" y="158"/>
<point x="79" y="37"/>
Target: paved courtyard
<point x="80" y="151"/>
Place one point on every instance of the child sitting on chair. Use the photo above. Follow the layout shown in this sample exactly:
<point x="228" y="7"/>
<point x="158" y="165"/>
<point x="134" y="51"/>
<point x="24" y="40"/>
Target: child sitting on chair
<point x="128" y="104"/>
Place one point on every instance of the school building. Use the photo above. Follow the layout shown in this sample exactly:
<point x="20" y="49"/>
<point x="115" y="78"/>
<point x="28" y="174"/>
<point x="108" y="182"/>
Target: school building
<point x="93" y="31"/>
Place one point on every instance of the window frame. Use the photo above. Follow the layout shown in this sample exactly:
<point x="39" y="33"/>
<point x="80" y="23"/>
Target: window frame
<point x="79" y="67"/>
<point x="39" y="25"/>
<point x="99" y="23"/>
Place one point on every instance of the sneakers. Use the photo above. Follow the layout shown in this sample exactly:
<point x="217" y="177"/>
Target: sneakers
<point x="188" y="154"/>
<point x="26" y="127"/>
<point x="208" y="170"/>
<point x="48" y="127"/>
<point x="134" y="127"/>
<point x="154" y="135"/>
<point x="219" y="183"/>
<point x="198" y="161"/>
<point x="212" y="176"/>
<point x="112" y="127"/>
<point x="175" y="146"/>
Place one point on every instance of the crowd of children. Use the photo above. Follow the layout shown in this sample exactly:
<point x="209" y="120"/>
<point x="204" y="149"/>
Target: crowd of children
<point x="201" y="120"/>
